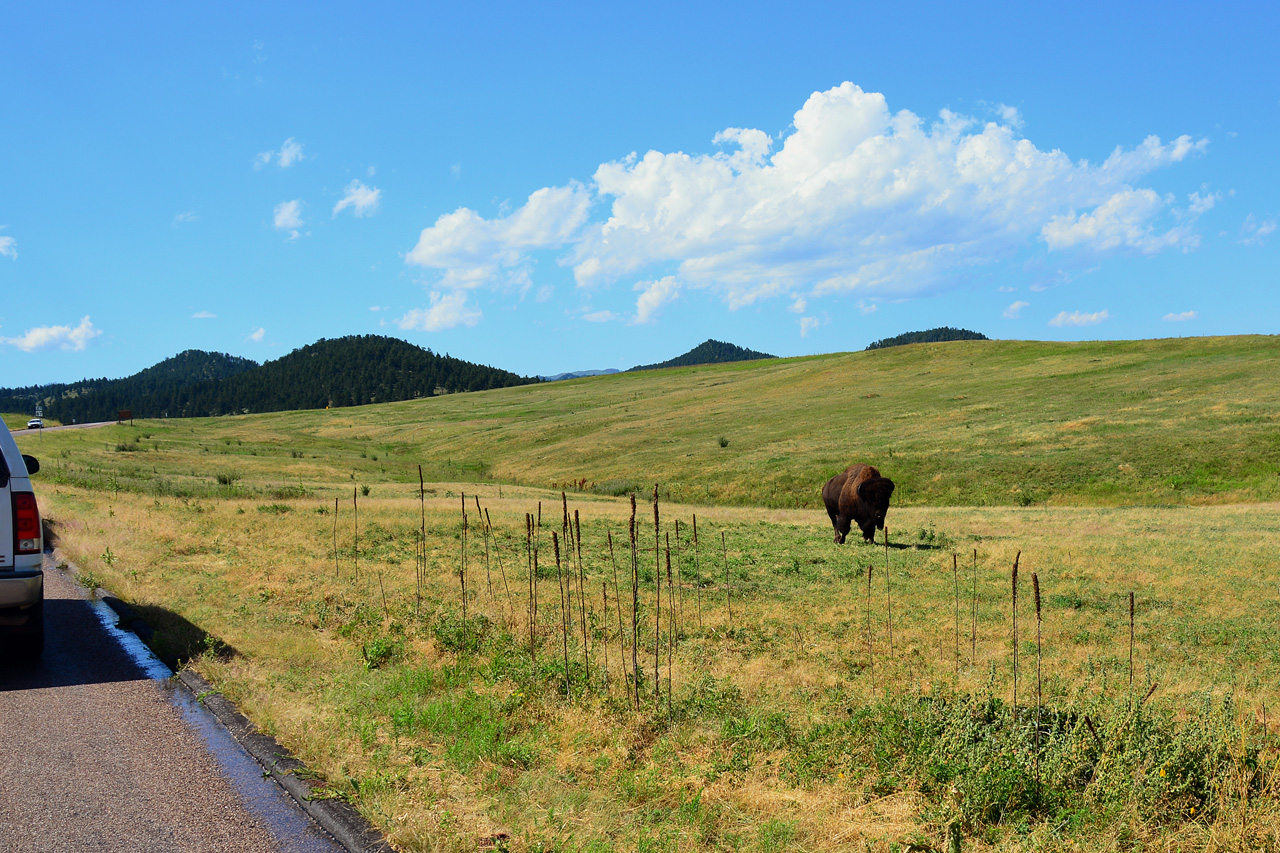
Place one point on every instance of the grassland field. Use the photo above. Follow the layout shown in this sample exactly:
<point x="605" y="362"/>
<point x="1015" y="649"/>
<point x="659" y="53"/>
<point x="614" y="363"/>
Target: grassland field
<point x="782" y="717"/>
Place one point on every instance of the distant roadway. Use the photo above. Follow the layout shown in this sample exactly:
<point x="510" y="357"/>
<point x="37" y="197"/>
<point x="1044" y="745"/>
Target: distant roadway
<point x="68" y="426"/>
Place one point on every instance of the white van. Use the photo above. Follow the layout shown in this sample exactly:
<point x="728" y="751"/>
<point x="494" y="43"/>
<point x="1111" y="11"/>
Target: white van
<point x="21" y="551"/>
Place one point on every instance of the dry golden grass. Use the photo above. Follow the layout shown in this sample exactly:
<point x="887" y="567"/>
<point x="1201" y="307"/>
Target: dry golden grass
<point x="264" y="583"/>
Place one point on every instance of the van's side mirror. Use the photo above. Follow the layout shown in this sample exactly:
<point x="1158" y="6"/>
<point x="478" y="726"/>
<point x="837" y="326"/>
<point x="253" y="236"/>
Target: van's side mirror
<point x="32" y="463"/>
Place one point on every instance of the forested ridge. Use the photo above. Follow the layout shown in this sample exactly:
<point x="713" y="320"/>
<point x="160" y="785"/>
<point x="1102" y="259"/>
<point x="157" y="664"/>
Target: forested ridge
<point x="929" y="336"/>
<point x="708" y="352"/>
<point x="348" y="371"/>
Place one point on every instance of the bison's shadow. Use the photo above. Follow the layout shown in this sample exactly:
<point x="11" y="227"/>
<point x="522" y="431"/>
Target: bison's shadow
<point x="905" y="546"/>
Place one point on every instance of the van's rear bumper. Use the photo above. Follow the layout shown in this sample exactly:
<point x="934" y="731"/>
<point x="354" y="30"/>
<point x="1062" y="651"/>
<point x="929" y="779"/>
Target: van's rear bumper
<point x="20" y="588"/>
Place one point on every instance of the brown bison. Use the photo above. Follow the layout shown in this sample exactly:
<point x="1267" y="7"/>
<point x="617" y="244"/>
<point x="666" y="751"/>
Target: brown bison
<point x="858" y="494"/>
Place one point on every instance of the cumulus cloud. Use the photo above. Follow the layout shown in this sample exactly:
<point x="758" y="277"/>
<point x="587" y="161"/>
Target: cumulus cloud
<point x="855" y="198"/>
<point x="1078" y="318"/>
<point x="653" y="295"/>
<point x="1252" y="232"/>
<point x="288" y="217"/>
<point x="600" y="317"/>
<point x="290" y="152"/>
<point x="203" y="315"/>
<point x="1125" y="221"/>
<point x="470" y="251"/>
<point x="361" y="199"/>
<point x="1014" y="310"/>
<point x="8" y="247"/>
<point x="55" y="337"/>
<point x="257" y="335"/>
<point x="446" y="311"/>
<point x="1180" y="318"/>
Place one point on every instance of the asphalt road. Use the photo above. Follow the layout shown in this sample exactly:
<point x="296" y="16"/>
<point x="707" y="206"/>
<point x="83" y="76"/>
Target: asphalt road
<point x="98" y="754"/>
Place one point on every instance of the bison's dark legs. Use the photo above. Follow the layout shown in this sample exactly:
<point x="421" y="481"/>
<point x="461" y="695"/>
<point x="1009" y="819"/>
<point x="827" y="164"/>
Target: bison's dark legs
<point x="841" y="525"/>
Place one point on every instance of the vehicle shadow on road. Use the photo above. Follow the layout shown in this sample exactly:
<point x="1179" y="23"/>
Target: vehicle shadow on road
<point x="80" y="651"/>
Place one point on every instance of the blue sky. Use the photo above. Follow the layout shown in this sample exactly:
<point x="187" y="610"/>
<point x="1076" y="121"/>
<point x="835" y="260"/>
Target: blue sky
<point x="584" y="187"/>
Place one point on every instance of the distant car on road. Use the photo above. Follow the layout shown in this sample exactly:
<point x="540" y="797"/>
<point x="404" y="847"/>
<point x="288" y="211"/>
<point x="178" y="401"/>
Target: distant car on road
<point x="21" y="550"/>
<point x="35" y="423"/>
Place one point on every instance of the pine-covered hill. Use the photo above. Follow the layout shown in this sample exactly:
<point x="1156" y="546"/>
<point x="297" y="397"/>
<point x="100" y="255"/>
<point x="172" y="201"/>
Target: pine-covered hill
<point x="102" y="399"/>
<point x="708" y="352"/>
<point x="930" y="336"/>
<point x="347" y="371"/>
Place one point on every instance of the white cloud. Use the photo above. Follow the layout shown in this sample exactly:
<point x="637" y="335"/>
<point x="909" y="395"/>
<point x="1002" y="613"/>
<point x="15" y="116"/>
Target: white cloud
<point x="855" y="198"/>
<point x="8" y="248"/>
<point x="867" y="307"/>
<point x="1200" y="204"/>
<point x="1077" y="318"/>
<point x="808" y="324"/>
<point x="288" y="217"/>
<point x="798" y="306"/>
<point x="1009" y="115"/>
<point x="290" y="152"/>
<point x="1123" y="221"/>
<point x="655" y="294"/>
<point x="447" y="311"/>
<point x="363" y="200"/>
<point x="55" y="337"/>
<point x="257" y="335"/>
<point x="1014" y="310"/>
<point x="1180" y="318"/>
<point x="471" y="251"/>
<point x="203" y="315"/>
<point x="1252" y="232"/>
<point x="184" y="218"/>
<point x="600" y="317"/>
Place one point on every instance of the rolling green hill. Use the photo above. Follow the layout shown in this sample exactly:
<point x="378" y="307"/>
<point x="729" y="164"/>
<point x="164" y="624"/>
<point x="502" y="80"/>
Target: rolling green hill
<point x="1177" y="421"/>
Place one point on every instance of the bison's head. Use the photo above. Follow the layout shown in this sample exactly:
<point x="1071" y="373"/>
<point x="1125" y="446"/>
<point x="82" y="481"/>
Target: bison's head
<point x="874" y="494"/>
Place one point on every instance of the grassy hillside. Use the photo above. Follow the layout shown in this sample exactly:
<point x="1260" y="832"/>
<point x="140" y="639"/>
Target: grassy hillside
<point x="959" y="423"/>
<point x="793" y="694"/>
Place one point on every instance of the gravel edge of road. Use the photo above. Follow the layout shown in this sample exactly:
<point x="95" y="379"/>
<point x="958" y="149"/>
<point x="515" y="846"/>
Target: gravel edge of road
<point x="336" y="816"/>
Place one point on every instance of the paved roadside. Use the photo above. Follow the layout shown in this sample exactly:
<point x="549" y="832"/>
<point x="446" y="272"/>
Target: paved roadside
<point x="97" y="755"/>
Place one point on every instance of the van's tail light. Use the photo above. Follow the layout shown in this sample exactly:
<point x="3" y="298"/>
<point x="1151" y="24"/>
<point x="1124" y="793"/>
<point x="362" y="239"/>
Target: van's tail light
<point x="26" y="523"/>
